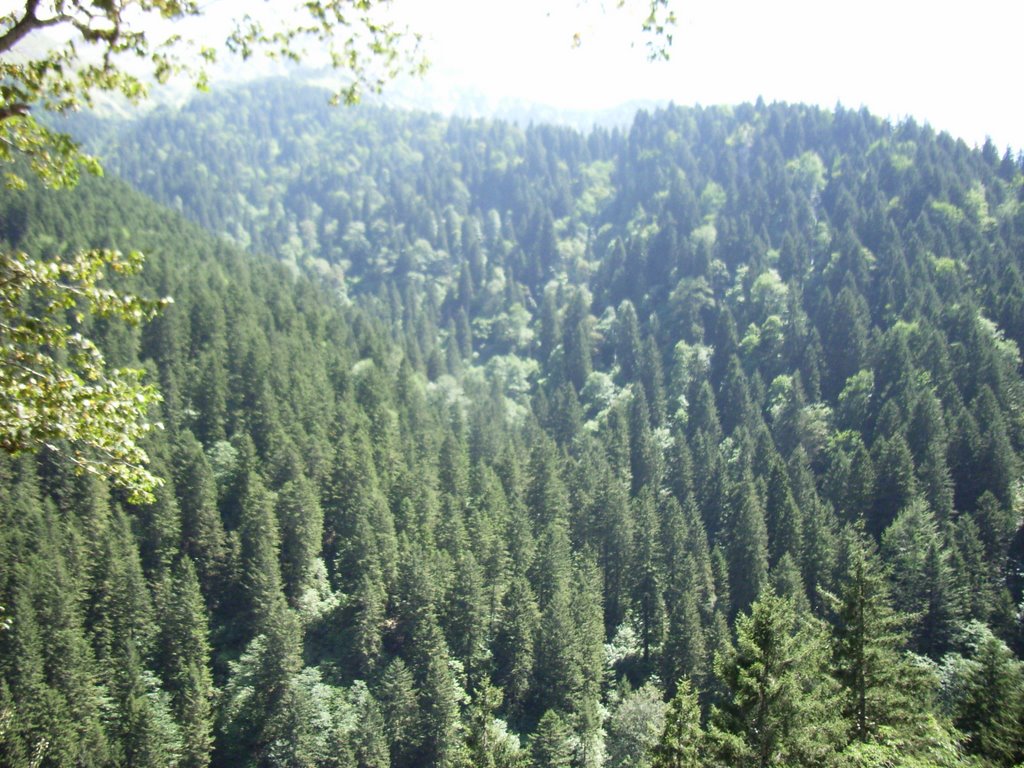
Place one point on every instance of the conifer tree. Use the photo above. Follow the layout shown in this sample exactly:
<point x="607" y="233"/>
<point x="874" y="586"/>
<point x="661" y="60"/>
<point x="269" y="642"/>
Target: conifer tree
<point x="895" y="485"/>
<point x="613" y="525"/>
<point x="465" y="617"/>
<point x="819" y="538"/>
<point x="682" y="740"/>
<point x="783" y="517"/>
<point x="183" y="653"/>
<point x="929" y="444"/>
<point x="262" y="709"/>
<point x="652" y="378"/>
<point x="552" y="742"/>
<point x="558" y="672"/>
<point x="991" y="710"/>
<point x="576" y="340"/>
<point x="260" y="569"/>
<point x="628" y="351"/>
<point x="397" y="695"/>
<point x="847" y="339"/>
<point x="370" y="743"/>
<point x="515" y="647"/>
<point x="921" y="579"/>
<point x="588" y="652"/>
<point x="995" y="528"/>
<point x="685" y="656"/>
<point x="38" y="721"/>
<point x="201" y="528"/>
<point x="782" y="704"/>
<point x="972" y="577"/>
<point x="69" y="664"/>
<point x="546" y="495"/>
<point x="441" y="741"/>
<point x="119" y="608"/>
<point x="647" y="592"/>
<point x="644" y="455"/>
<point x="145" y="731"/>
<point x="878" y="681"/>
<point x="747" y="546"/>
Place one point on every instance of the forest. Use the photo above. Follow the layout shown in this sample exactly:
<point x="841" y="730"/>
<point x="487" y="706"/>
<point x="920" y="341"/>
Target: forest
<point x="696" y="442"/>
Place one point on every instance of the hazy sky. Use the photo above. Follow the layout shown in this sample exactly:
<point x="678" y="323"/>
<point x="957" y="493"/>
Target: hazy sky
<point x="953" y="65"/>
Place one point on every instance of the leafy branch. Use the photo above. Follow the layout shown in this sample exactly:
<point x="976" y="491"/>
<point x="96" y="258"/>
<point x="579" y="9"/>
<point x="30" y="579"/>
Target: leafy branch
<point x="55" y="388"/>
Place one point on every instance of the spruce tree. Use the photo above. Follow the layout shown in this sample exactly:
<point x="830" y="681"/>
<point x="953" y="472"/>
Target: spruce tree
<point x="747" y="546"/>
<point x="183" y="653"/>
<point x="991" y="711"/>
<point x="396" y="693"/>
<point x="879" y="685"/>
<point x="782" y="705"/>
<point x="682" y="740"/>
<point x="552" y="742"/>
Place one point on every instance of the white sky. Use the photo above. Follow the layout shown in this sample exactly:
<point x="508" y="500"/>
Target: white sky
<point x="954" y="65"/>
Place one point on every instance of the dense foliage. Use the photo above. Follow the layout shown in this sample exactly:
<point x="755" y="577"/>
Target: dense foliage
<point x="697" y="443"/>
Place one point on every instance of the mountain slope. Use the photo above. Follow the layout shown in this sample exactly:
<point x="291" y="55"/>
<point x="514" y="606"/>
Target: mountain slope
<point x="528" y="415"/>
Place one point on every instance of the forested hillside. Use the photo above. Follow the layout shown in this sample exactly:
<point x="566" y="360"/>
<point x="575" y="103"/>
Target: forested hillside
<point x="694" y="444"/>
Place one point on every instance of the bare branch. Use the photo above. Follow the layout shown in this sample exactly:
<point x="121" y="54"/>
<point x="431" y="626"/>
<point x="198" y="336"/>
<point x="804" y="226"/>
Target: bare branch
<point x="27" y="23"/>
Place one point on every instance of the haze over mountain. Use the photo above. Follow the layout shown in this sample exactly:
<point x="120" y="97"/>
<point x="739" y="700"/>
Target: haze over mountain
<point x="939" y="65"/>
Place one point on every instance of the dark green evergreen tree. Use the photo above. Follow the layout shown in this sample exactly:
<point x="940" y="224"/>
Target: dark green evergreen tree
<point x="782" y="705"/>
<point x="682" y="740"/>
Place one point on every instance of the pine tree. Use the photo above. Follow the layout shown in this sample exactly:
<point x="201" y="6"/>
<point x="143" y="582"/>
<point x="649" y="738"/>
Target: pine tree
<point x="183" y="653"/>
<point x="647" y="593"/>
<point x="301" y="522"/>
<point x="747" y="547"/>
<point x="782" y="707"/>
<point x="552" y="742"/>
<point x="515" y="647"/>
<point x="682" y="740"/>
<point x="991" y="710"/>
<point x="879" y="686"/>
<point x="397" y="695"/>
<point x="201" y="529"/>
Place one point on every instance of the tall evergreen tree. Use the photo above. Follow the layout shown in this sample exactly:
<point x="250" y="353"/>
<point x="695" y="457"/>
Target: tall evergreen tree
<point x="183" y="654"/>
<point x="782" y="703"/>
<point x="879" y="681"/>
